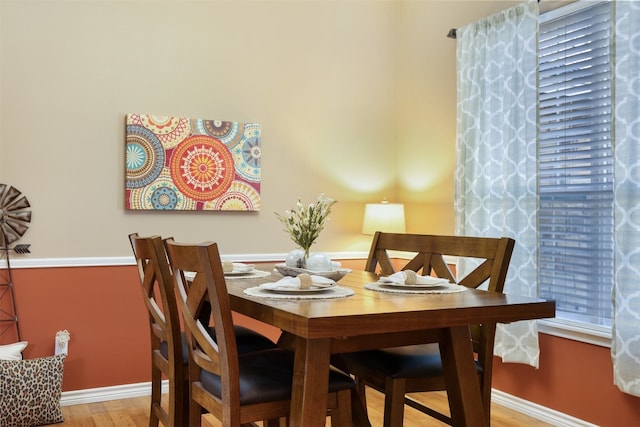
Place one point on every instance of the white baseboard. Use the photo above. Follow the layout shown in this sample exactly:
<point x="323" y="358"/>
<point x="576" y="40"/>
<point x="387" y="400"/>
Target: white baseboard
<point x="539" y="412"/>
<point x="103" y="394"/>
<point x="514" y="403"/>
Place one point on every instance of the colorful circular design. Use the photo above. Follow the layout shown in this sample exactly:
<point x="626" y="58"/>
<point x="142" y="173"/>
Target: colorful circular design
<point x="169" y="130"/>
<point x="248" y="155"/>
<point x="202" y="167"/>
<point x="164" y="198"/>
<point x="230" y="133"/>
<point x="162" y="194"/>
<point x="240" y="197"/>
<point x="217" y="128"/>
<point x="252" y="130"/>
<point x="144" y="156"/>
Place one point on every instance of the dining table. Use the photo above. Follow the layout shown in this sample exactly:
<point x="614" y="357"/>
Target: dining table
<point x="362" y="318"/>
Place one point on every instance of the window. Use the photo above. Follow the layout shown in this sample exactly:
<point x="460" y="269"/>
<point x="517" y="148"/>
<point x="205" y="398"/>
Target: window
<point x="575" y="162"/>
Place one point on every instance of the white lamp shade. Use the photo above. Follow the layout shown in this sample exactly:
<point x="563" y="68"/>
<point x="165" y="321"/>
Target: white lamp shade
<point x="386" y="217"/>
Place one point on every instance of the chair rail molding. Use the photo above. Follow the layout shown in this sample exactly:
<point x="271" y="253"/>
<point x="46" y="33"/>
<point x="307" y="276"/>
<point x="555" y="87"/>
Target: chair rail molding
<point x="129" y="260"/>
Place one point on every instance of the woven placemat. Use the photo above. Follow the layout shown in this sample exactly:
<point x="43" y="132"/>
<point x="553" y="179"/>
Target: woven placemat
<point x="450" y="288"/>
<point x="255" y="274"/>
<point x="331" y="293"/>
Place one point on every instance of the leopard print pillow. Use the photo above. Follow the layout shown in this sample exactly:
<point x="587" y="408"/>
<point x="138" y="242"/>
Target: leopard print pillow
<point x="31" y="391"/>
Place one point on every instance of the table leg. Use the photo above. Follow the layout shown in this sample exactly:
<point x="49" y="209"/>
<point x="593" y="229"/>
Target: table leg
<point x="310" y="383"/>
<point x="461" y="378"/>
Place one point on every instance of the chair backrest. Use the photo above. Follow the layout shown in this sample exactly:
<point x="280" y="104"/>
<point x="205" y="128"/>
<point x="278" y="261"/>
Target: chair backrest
<point x="159" y="298"/>
<point x="428" y="253"/>
<point x="208" y="286"/>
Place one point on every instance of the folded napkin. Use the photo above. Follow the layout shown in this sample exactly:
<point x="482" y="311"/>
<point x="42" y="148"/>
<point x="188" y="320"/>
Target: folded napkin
<point x="236" y="267"/>
<point x="293" y="283"/>
<point x="410" y="277"/>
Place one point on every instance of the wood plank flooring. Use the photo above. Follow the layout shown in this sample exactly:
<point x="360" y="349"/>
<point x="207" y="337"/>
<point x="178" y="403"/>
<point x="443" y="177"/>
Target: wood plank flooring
<point x="134" y="413"/>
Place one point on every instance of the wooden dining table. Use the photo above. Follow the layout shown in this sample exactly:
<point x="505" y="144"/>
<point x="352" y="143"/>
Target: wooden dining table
<point x="369" y="319"/>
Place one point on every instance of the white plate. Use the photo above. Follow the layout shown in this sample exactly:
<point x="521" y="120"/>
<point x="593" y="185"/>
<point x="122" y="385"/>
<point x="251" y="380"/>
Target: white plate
<point x="190" y="275"/>
<point x="422" y="286"/>
<point x="239" y="272"/>
<point x="291" y="290"/>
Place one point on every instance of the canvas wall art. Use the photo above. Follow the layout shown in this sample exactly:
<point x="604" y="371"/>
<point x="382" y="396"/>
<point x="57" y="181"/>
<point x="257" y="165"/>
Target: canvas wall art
<point x="177" y="163"/>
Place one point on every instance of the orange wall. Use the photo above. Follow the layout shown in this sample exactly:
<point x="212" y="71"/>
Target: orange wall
<point x="574" y="378"/>
<point x="102" y="309"/>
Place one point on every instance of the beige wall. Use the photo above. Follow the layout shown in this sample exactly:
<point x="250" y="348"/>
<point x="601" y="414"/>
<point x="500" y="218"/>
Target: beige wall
<point x="356" y="100"/>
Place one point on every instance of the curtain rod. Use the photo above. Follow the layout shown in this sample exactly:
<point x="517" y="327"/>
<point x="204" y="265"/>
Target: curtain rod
<point x="452" y="34"/>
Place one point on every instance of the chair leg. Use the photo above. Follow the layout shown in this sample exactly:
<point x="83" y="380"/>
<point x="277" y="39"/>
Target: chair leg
<point x="487" y="411"/>
<point x="362" y="395"/>
<point x="183" y="402"/>
<point x="174" y="405"/>
<point x="156" y="396"/>
<point x="341" y="416"/>
<point x="195" y="413"/>
<point x="178" y="405"/>
<point x="486" y="401"/>
<point x="394" y="402"/>
<point x="359" y="410"/>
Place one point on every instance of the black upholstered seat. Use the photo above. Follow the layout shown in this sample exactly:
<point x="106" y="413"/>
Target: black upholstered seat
<point x="246" y="339"/>
<point x="266" y="376"/>
<point x="411" y="361"/>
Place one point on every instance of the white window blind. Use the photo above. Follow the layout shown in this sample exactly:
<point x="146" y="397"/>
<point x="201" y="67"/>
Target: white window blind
<point x="576" y="163"/>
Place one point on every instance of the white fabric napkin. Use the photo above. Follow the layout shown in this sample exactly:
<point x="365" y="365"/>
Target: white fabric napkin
<point x="293" y="283"/>
<point x="400" y="278"/>
<point x="239" y="267"/>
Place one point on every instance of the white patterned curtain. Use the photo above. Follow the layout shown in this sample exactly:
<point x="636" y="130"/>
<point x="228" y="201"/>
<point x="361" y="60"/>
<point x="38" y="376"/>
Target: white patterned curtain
<point x="625" y="345"/>
<point x="496" y="152"/>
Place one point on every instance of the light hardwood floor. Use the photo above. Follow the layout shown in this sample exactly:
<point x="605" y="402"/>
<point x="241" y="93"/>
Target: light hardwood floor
<point x="134" y="413"/>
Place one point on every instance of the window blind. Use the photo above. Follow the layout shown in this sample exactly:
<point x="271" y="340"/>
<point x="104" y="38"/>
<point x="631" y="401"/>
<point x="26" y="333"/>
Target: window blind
<point x="575" y="176"/>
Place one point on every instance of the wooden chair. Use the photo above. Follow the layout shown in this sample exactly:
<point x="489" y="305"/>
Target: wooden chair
<point x="169" y="353"/>
<point x="401" y="370"/>
<point x="164" y="324"/>
<point x="237" y="388"/>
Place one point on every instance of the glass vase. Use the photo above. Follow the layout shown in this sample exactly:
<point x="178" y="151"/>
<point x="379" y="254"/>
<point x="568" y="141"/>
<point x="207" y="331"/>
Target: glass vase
<point x="305" y="257"/>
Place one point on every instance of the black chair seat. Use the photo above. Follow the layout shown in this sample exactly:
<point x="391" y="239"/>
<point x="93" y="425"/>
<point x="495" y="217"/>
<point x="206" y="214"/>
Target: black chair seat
<point x="266" y="376"/>
<point x="414" y="361"/>
<point x="247" y="340"/>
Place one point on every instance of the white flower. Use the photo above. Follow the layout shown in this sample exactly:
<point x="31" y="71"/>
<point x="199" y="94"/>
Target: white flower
<point x="304" y="224"/>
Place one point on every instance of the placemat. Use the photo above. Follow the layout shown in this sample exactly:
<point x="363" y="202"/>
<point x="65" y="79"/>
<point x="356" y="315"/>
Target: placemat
<point x="255" y="274"/>
<point x="334" y="292"/>
<point x="450" y="288"/>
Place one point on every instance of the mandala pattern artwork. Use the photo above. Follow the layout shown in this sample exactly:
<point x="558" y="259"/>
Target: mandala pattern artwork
<point x="176" y="163"/>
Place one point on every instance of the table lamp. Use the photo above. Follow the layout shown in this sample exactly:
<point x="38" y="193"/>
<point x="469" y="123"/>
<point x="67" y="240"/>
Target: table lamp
<point x="384" y="216"/>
